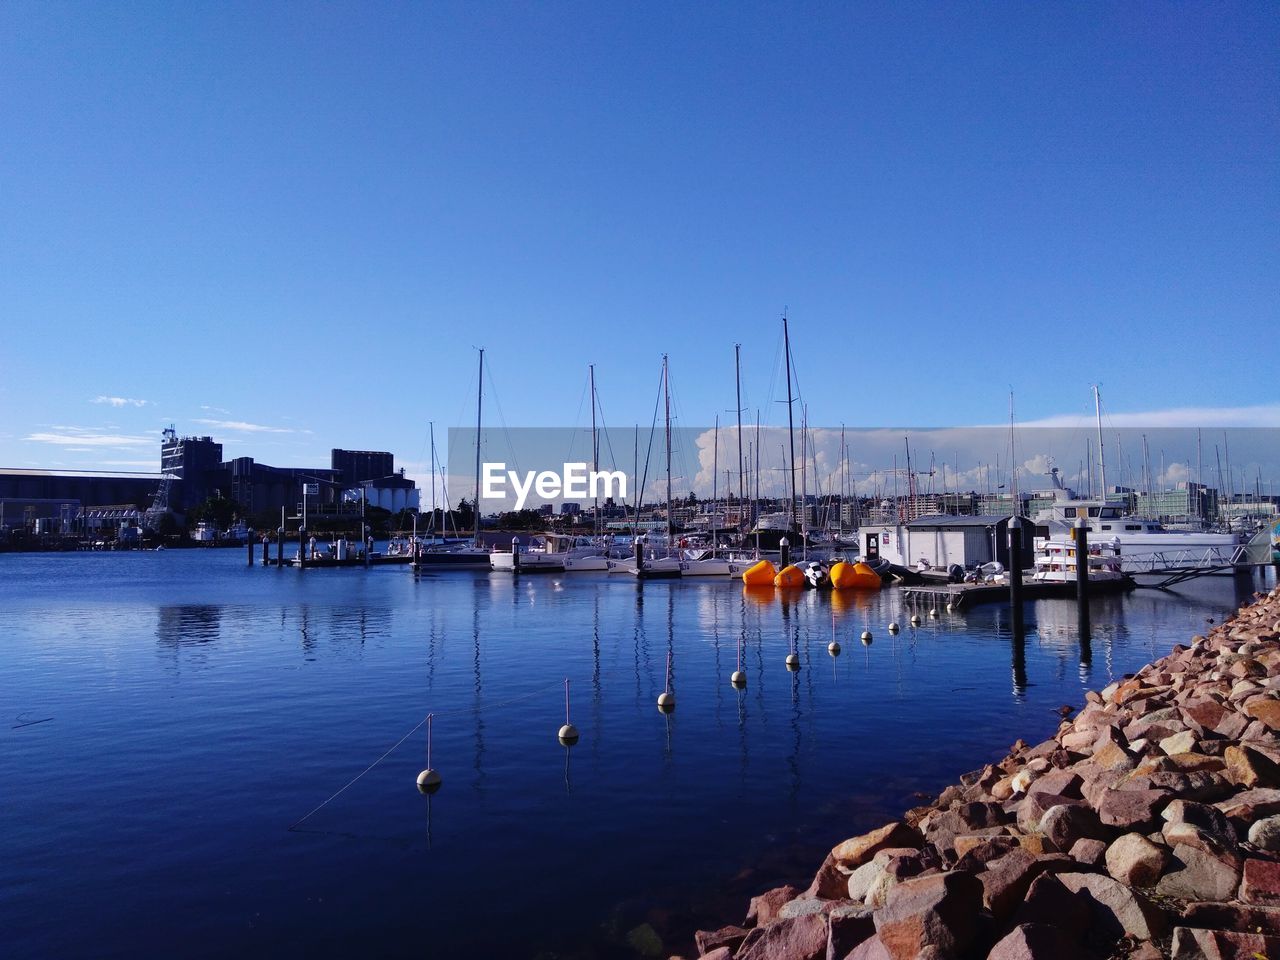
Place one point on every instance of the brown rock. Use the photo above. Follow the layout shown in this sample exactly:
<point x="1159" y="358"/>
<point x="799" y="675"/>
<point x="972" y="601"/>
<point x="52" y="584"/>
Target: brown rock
<point x="1116" y="910"/>
<point x="1091" y="853"/>
<point x="1036" y="844"/>
<point x="1193" y="874"/>
<point x="1132" y="809"/>
<point x="795" y="938"/>
<point x="983" y="848"/>
<point x="1006" y="880"/>
<point x="1192" y="761"/>
<point x="1065" y="824"/>
<point x="1065" y="783"/>
<point x="830" y="880"/>
<point x="765" y="907"/>
<point x="870" y="949"/>
<point x="1249" y="768"/>
<point x="1210" y="820"/>
<point x="1267" y="710"/>
<point x="719" y="953"/>
<point x="1146" y="951"/>
<point x="1049" y="902"/>
<point x="1136" y="861"/>
<point x="708" y="940"/>
<point x="1033" y="941"/>
<point x="858" y="850"/>
<point x="1112" y="756"/>
<point x="1038" y="803"/>
<point x="936" y="911"/>
<point x="846" y="928"/>
<point x="1251" y="804"/>
<point x="1261" y="883"/>
<point x="1193" y="944"/>
<point x="1233" y="916"/>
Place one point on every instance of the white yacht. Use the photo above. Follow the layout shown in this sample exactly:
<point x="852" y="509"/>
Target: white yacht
<point x="1144" y="543"/>
<point x="538" y="555"/>
<point x="1056" y="561"/>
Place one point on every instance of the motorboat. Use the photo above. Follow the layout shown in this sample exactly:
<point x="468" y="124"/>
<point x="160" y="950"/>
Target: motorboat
<point x="1057" y="561"/>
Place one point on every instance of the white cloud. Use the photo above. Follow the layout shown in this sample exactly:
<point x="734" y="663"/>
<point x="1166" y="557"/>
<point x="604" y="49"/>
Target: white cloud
<point x="221" y="410"/>
<point x="120" y="401"/>
<point x="1265" y="415"/>
<point x="239" y="426"/>
<point x="84" y="437"/>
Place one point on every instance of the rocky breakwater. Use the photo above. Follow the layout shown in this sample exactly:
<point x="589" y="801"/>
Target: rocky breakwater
<point x="1147" y="827"/>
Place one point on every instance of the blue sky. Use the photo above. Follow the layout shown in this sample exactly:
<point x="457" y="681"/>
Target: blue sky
<point x="289" y="225"/>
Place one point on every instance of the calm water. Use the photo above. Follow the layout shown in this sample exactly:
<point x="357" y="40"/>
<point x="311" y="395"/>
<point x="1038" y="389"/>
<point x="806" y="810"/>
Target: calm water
<point x="168" y="717"/>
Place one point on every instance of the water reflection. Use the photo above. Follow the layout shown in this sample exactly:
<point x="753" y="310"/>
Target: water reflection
<point x="187" y="624"/>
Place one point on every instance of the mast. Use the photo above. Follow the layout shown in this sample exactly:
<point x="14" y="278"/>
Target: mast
<point x="715" y="469"/>
<point x="666" y="402"/>
<point x="1013" y="462"/>
<point x="1102" y="455"/>
<point x="737" y="380"/>
<point x="475" y="506"/>
<point x="432" y="425"/>
<point x="791" y="429"/>
<point x="844" y="467"/>
<point x="804" y="473"/>
<point x="595" y="453"/>
<point x="755" y="502"/>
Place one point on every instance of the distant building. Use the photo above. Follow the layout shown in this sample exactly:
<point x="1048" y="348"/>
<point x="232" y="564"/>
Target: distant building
<point x="570" y="508"/>
<point x="357" y="466"/>
<point x="190" y="461"/>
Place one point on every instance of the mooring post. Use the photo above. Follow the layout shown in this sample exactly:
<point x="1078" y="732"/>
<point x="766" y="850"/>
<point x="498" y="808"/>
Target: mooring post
<point x="248" y="542"/>
<point x="1015" y="574"/>
<point x="1081" y="531"/>
<point x="280" y="546"/>
<point x="368" y="545"/>
<point x="302" y="547"/>
<point x="784" y="549"/>
<point x="266" y="549"/>
<point x="515" y="558"/>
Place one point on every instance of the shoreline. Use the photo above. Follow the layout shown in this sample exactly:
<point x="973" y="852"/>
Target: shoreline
<point x="1147" y="826"/>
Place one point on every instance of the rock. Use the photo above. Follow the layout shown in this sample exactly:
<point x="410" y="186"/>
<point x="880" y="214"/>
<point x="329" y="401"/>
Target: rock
<point x="978" y="849"/>
<point x="1065" y="824"/>
<point x="1183" y="742"/>
<point x="1146" y="951"/>
<point x="1207" y="818"/>
<point x="1251" y="804"/>
<point x="796" y="938"/>
<point x="1112" y="756"/>
<point x="861" y="880"/>
<point x="1063" y="782"/>
<point x="848" y="926"/>
<point x="1233" y="916"/>
<point x="1192" y="944"/>
<point x="870" y="949"/>
<point x="1248" y="768"/>
<point x="765" y="907"/>
<point x="1021" y="780"/>
<point x="1033" y="941"/>
<point x="830" y="880"/>
<point x="858" y="850"/>
<point x="1036" y="844"/>
<point x="803" y="906"/>
<point x="1136" y="861"/>
<point x="719" y="953"/>
<point x="1091" y="853"/>
<point x="1116" y="910"/>
<point x="1260" y="883"/>
<point x="1193" y="874"/>
<point x="1006" y="880"/>
<point x="708" y="940"/>
<point x="1266" y="710"/>
<point x="936" y="911"/>
<point x="1049" y="902"/>
<point x="1265" y="834"/>
<point x="1132" y="809"/>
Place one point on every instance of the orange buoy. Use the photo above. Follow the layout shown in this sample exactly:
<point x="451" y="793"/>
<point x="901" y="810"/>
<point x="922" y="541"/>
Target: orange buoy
<point x="759" y="574"/>
<point x="789" y="576"/>
<point x="856" y="576"/>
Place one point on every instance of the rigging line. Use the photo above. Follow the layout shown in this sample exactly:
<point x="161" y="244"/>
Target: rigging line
<point x="502" y="419"/>
<point x="653" y="426"/>
<point x="577" y="418"/>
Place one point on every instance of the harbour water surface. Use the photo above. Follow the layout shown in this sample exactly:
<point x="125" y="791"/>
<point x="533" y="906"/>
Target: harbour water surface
<point x="170" y="716"/>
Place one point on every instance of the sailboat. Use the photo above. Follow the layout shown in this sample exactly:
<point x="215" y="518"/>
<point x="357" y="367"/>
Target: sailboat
<point x="648" y="564"/>
<point x="460" y="556"/>
<point x="703" y="562"/>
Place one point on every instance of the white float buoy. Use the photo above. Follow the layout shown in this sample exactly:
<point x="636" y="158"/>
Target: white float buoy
<point x="915" y="618"/>
<point x="866" y="638"/>
<point x="893" y="627"/>
<point x="666" y="702"/>
<point x="429" y="781"/>
<point x="738" y="679"/>
<point x="933" y="613"/>
<point x="793" y="661"/>
<point x="833" y="648"/>
<point x="568" y="733"/>
<point x="950" y="607"/>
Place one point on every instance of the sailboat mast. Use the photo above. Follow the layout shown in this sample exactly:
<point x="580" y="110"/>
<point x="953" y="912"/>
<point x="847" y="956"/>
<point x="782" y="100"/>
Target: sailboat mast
<point x="804" y="470"/>
<point x="737" y="380"/>
<point x="475" y="505"/>
<point x="666" y="403"/>
<point x="432" y="425"/>
<point x="715" y="469"/>
<point x="1102" y="456"/>
<point x="595" y="452"/>
<point x="791" y="429"/>
<point x="1013" y="462"/>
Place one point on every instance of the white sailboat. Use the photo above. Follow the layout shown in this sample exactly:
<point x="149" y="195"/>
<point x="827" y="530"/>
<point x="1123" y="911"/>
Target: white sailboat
<point x="654" y="566"/>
